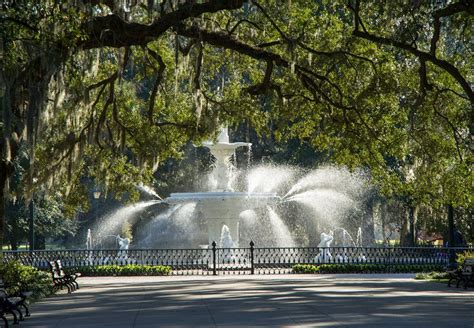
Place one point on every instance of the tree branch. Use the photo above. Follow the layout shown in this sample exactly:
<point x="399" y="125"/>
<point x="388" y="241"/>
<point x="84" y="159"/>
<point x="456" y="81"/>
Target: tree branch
<point x="266" y="83"/>
<point x="159" y="77"/>
<point x="455" y="132"/>
<point x="232" y="30"/>
<point x="221" y="39"/>
<point x="113" y="31"/>
<point x="424" y="56"/>
<point x="451" y="9"/>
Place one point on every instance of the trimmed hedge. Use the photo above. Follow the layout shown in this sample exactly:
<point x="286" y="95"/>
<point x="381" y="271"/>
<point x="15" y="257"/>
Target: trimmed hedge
<point x="17" y="276"/>
<point x="124" y="270"/>
<point x="436" y="276"/>
<point x="364" y="268"/>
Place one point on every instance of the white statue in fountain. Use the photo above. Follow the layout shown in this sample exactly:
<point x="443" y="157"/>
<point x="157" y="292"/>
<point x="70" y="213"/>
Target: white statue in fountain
<point x="226" y="239"/>
<point x="123" y="243"/>
<point x="226" y="243"/>
<point x="324" y="255"/>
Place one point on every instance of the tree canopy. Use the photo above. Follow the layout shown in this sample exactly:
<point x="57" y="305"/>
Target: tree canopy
<point x="112" y="88"/>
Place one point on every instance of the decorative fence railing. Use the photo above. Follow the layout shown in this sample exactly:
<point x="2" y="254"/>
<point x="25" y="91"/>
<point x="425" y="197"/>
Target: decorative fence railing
<point x="242" y="260"/>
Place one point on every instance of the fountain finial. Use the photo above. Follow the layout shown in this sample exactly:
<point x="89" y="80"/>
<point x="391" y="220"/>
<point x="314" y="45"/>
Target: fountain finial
<point x="224" y="135"/>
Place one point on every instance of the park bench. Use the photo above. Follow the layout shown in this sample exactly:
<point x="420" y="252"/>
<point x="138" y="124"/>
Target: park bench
<point x="17" y="295"/>
<point x="71" y="276"/>
<point x="463" y="275"/>
<point x="61" y="279"/>
<point x="12" y="304"/>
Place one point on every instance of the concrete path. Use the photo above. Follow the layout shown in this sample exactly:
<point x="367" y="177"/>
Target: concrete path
<point x="246" y="301"/>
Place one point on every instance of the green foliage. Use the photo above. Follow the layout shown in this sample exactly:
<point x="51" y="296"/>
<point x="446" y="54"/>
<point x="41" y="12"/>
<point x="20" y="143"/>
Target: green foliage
<point x="461" y="257"/>
<point x="49" y="215"/>
<point x="52" y="219"/>
<point x="18" y="277"/>
<point x="434" y="275"/>
<point x="124" y="270"/>
<point x="116" y="112"/>
<point x="363" y="268"/>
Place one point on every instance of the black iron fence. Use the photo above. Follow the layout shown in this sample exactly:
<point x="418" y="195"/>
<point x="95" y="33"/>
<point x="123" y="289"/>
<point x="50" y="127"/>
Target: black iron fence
<point x="242" y="260"/>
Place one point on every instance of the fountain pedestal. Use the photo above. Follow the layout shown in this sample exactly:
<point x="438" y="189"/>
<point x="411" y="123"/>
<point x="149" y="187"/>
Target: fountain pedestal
<point x="223" y="208"/>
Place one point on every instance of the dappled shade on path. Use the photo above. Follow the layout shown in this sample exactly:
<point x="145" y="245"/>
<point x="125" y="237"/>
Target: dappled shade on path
<point x="310" y="301"/>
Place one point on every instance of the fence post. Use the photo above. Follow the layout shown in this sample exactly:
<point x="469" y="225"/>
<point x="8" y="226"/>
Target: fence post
<point x="252" y="269"/>
<point x="389" y="261"/>
<point x="214" y="269"/>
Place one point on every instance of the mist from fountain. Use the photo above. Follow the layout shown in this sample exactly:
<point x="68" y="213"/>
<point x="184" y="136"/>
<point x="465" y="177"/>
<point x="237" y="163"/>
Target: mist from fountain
<point x="176" y="224"/>
<point x="269" y="178"/>
<point x="347" y="240"/>
<point x="149" y="191"/>
<point x="329" y="193"/>
<point x="184" y="214"/>
<point x="111" y="223"/>
<point x="281" y="233"/>
<point x="152" y="232"/>
<point x="326" y="205"/>
<point x="329" y="177"/>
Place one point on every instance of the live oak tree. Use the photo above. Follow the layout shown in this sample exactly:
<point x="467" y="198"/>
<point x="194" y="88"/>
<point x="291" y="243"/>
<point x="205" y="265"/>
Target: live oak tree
<point x="111" y="88"/>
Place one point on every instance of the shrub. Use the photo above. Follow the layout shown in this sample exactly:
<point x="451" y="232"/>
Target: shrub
<point x="124" y="270"/>
<point x="461" y="257"/>
<point x="21" y="277"/>
<point x="305" y="268"/>
<point x="434" y="275"/>
<point x="364" y="268"/>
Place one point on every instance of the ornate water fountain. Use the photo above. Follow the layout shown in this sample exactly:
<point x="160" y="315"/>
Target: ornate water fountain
<point x="223" y="205"/>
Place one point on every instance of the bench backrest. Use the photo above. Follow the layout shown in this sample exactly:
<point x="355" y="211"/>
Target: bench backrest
<point x="3" y="296"/>
<point x="59" y="267"/>
<point x="468" y="265"/>
<point x="469" y="261"/>
<point x="54" y="270"/>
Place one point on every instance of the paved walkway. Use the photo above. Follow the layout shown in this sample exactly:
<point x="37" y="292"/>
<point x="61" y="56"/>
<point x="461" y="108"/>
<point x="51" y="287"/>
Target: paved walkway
<point x="246" y="301"/>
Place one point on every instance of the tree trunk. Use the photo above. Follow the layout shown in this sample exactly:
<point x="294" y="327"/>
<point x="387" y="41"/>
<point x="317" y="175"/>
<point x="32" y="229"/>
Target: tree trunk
<point x="40" y="242"/>
<point x="2" y="214"/>
<point x="404" y="240"/>
<point x="31" y="223"/>
<point x="368" y="231"/>
<point x="412" y="216"/>
<point x="408" y="233"/>
<point x="383" y="213"/>
<point x="471" y="226"/>
<point x="452" y="253"/>
<point x="5" y="171"/>
<point x="14" y="234"/>
<point x="451" y="226"/>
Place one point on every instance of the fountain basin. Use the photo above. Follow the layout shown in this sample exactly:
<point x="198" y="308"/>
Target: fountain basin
<point x="223" y="208"/>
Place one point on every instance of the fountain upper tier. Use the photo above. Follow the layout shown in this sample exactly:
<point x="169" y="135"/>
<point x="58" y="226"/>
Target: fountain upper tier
<point x="222" y="151"/>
